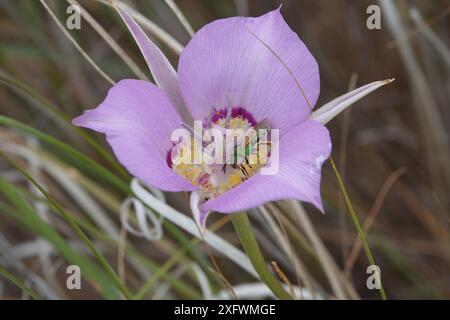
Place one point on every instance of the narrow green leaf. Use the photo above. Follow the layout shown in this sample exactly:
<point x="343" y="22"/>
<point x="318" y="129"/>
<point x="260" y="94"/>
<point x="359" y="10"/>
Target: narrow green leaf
<point x="28" y="217"/>
<point x="19" y="283"/>
<point x="61" y="119"/>
<point x="81" y="159"/>
<point x="356" y="223"/>
<point x="73" y="224"/>
<point x="244" y="230"/>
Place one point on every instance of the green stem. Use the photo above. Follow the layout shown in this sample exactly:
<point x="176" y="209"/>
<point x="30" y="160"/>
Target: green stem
<point x="84" y="161"/>
<point x="148" y="285"/>
<point x="356" y="223"/>
<point x="56" y="115"/>
<point x="244" y="230"/>
<point x="76" y="228"/>
<point x="19" y="283"/>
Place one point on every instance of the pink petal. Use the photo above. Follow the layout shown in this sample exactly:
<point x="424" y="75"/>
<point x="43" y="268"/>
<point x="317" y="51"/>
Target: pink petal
<point x="226" y="59"/>
<point x="138" y="120"/>
<point x="303" y="150"/>
<point x="162" y="71"/>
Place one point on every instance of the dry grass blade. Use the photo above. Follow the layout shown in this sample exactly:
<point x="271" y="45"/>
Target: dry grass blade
<point x="112" y="43"/>
<point x="180" y="17"/>
<point x="155" y="30"/>
<point x="300" y="269"/>
<point x="371" y="217"/>
<point x="433" y="130"/>
<point x="299" y="214"/>
<point x="77" y="46"/>
<point x="432" y="38"/>
<point x="71" y="186"/>
<point x="74" y="225"/>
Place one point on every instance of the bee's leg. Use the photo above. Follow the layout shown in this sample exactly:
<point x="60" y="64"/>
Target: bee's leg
<point x="244" y="171"/>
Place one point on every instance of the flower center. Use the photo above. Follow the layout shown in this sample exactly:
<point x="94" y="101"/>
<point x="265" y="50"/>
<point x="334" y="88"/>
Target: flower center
<point x="231" y="148"/>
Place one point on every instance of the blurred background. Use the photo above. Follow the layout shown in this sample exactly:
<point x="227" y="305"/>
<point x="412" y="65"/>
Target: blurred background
<point x="391" y="149"/>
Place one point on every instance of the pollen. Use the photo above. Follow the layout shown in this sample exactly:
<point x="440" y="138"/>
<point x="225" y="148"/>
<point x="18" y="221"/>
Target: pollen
<point x="222" y="175"/>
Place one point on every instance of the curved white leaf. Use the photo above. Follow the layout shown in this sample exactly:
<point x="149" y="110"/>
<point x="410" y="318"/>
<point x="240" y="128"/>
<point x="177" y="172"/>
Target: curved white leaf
<point x="259" y="290"/>
<point x="331" y="109"/>
<point x="190" y="226"/>
<point x="143" y="214"/>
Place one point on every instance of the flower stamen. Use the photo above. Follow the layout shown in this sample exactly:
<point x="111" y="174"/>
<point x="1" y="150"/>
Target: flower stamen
<point x="245" y="140"/>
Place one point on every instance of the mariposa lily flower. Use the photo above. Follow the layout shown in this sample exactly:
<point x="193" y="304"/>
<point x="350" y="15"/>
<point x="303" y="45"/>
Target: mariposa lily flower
<point x="238" y="72"/>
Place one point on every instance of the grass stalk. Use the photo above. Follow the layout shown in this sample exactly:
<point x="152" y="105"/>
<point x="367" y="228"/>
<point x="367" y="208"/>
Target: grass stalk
<point x="73" y="224"/>
<point x="356" y="223"/>
<point x="244" y="230"/>
<point x="6" y="274"/>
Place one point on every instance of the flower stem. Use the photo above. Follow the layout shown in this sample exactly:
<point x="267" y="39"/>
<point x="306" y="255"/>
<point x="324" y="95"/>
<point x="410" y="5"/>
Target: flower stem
<point x="244" y="230"/>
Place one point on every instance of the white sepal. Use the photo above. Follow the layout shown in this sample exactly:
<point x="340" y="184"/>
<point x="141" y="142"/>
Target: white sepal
<point x="331" y="109"/>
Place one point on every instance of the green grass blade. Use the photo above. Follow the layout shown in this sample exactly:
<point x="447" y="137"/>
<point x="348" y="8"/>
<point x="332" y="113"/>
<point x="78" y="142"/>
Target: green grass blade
<point x="73" y="224"/>
<point x="19" y="283"/>
<point x="244" y="230"/>
<point x="61" y="119"/>
<point x="148" y="285"/>
<point x="356" y="223"/>
<point x="26" y="215"/>
<point x="82" y="160"/>
<point x="184" y="289"/>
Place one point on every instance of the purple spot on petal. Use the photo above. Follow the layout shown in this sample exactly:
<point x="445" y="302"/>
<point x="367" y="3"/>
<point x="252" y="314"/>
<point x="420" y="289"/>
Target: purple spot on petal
<point x="169" y="158"/>
<point x="218" y="115"/>
<point x="241" y="112"/>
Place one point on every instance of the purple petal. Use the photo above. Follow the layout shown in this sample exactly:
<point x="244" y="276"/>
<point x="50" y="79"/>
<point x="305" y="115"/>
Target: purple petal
<point x="227" y="60"/>
<point x="162" y="71"/>
<point x="303" y="150"/>
<point x="138" y="120"/>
